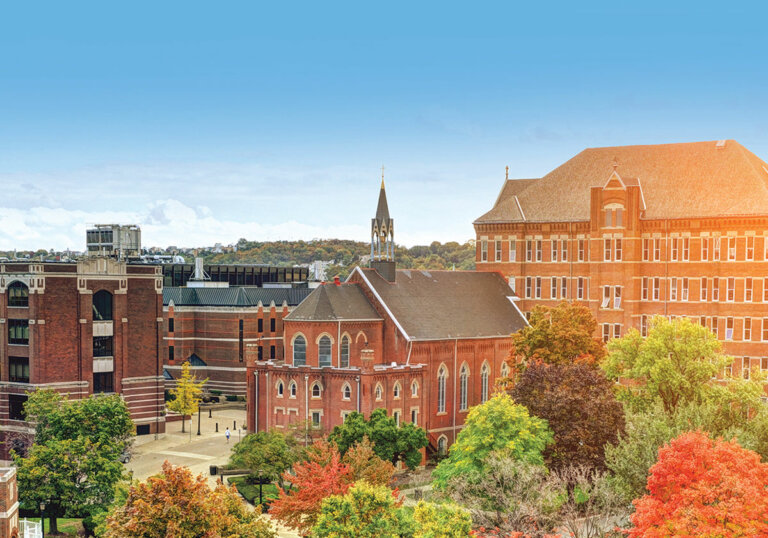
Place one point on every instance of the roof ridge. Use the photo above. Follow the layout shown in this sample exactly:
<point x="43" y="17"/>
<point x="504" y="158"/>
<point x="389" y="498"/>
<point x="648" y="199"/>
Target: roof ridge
<point x="762" y="177"/>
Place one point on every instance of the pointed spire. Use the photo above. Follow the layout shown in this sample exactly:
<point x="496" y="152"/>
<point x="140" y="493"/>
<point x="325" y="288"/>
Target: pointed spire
<point x="382" y="210"/>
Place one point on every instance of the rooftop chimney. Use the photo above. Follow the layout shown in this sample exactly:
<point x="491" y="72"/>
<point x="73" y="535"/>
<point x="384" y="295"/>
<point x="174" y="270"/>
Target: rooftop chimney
<point x="337" y="280"/>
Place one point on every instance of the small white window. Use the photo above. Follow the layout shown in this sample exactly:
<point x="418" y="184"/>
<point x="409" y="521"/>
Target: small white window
<point x="346" y="392"/>
<point x="280" y="389"/>
<point x="414" y="389"/>
<point x="316" y="390"/>
<point x="292" y="389"/>
<point x="379" y="393"/>
<point x="396" y="391"/>
<point x="316" y="419"/>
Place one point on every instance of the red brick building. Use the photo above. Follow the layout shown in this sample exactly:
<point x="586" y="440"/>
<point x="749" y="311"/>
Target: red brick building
<point x="81" y="328"/>
<point x="425" y="346"/>
<point x="9" y="503"/>
<point x="211" y="328"/>
<point x="634" y="231"/>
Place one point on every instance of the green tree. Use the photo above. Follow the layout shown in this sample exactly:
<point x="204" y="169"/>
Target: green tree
<point x="390" y="442"/>
<point x="175" y="504"/>
<point x="579" y="405"/>
<point x="499" y="425"/>
<point x="73" y="464"/>
<point x="557" y="335"/>
<point x="675" y="364"/>
<point x="187" y="394"/>
<point x="365" y="511"/>
<point x="265" y="454"/>
<point x="441" y="521"/>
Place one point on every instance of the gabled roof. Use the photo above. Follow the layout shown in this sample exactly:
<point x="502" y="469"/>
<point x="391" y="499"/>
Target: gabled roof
<point x="430" y="305"/>
<point x="331" y="303"/>
<point x="697" y="179"/>
<point x="234" y="296"/>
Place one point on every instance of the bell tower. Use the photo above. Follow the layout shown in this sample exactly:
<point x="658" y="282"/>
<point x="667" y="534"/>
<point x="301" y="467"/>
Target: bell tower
<point x="383" y="237"/>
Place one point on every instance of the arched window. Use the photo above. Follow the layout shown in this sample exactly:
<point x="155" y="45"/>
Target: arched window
<point x="379" y="392"/>
<point x="102" y="306"/>
<point x="463" y="382"/>
<point x="504" y="369"/>
<point x="316" y="390"/>
<point x="346" y="392"/>
<point x="292" y="389"/>
<point x="484" y="382"/>
<point x="442" y="445"/>
<point x="299" y="351"/>
<point x="18" y="294"/>
<point x="344" y="362"/>
<point x="414" y="389"/>
<point x="441" y="374"/>
<point x="324" y="351"/>
<point x="396" y="390"/>
<point x="280" y="388"/>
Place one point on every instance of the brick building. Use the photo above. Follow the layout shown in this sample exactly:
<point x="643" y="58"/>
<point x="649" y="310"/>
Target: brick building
<point x="425" y="346"/>
<point x="9" y="503"/>
<point x="634" y="231"/>
<point x="211" y="328"/>
<point x="80" y="328"/>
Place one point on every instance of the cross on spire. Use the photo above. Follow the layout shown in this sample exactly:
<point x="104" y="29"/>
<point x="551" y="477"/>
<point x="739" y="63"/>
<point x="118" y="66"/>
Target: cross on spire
<point x="382" y="176"/>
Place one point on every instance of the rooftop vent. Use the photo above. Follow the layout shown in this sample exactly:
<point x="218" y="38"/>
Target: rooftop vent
<point x="720" y="144"/>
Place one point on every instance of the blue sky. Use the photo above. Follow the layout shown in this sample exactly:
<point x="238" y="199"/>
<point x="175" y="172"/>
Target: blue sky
<point x="207" y="122"/>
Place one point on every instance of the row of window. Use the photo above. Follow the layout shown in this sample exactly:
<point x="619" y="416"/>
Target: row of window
<point x="654" y="249"/>
<point x="324" y="355"/>
<point x="728" y="324"/>
<point x="533" y="287"/>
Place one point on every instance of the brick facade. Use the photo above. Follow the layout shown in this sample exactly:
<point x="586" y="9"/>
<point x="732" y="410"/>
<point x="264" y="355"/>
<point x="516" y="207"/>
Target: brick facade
<point x="52" y="337"/>
<point x="9" y="503"/>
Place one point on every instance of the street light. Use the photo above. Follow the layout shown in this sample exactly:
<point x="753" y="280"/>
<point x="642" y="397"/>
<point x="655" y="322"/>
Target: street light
<point x="42" y="517"/>
<point x="198" y="419"/>
<point x="261" y="506"/>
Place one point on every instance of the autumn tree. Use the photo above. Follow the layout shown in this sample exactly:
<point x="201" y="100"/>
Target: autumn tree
<point x="441" y="520"/>
<point x="564" y="334"/>
<point x="391" y="442"/>
<point x="266" y="454"/>
<point x="186" y="395"/>
<point x="364" y="464"/>
<point x="499" y="425"/>
<point x="364" y="511"/>
<point x="704" y="487"/>
<point x="73" y="464"/>
<point x="312" y="481"/>
<point x="175" y="504"/>
<point x="579" y="405"/>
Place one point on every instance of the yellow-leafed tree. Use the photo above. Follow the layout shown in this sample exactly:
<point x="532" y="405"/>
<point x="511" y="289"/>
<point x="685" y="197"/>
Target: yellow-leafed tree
<point x="187" y="394"/>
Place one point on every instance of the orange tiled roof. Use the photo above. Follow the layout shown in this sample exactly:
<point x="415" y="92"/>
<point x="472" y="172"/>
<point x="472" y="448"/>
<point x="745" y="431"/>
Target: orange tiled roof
<point x="697" y="179"/>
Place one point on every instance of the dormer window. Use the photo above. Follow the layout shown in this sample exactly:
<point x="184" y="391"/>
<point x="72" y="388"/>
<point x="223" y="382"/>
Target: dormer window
<point x="614" y="216"/>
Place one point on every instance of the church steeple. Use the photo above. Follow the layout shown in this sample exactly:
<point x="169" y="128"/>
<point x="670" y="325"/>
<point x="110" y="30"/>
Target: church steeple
<point x="383" y="236"/>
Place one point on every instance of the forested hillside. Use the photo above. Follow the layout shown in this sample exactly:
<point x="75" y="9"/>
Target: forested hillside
<point x="346" y="254"/>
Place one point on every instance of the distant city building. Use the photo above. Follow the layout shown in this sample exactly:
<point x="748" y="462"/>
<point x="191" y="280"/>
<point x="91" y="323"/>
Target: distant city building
<point x="114" y="240"/>
<point x="94" y="326"/>
<point x="424" y="345"/>
<point x="678" y="230"/>
<point x="178" y="274"/>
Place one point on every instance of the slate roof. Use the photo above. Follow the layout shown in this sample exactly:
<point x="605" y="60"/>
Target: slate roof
<point x="332" y="302"/>
<point x="448" y="304"/>
<point x="697" y="179"/>
<point x="233" y="296"/>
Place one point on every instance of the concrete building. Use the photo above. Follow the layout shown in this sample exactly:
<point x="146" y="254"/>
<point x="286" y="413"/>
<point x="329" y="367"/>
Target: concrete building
<point x="635" y="231"/>
<point x="119" y="241"/>
<point x="81" y="328"/>
<point x="424" y="345"/>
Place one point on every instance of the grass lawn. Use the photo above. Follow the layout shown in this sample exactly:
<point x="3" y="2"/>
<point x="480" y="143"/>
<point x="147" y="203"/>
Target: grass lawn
<point x="251" y="491"/>
<point x="67" y="526"/>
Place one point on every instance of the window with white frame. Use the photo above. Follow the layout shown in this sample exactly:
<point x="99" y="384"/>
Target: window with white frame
<point x="673" y="289"/>
<point x="656" y="288"/>
<point x="656" y="249"/>
<point x="581" y="250"/>
<point x="764" y="364"/>
<point x="731" y="249"/>
<point x="684" y="290"/>
<point x="414" y="389"/>
<point x="703" y="289"/>
<point x="324" y="351"/>
<point x="716" y="244"/>
<point x="553" y="287"/>
<point x="396" y="391"/>
<point x="716" y="326"/>
<point x="415" y="417"/>
<point x="504" y="369"/>
<point x="643" y="325"/>
<point x="729" y="328"/>
<point x="617" y="297"/>
<point x="441" y="375"/>
<point x="529" y="250"/>
<point x="513" y="249"/>
<point x="396" y="416"/>
<point x="607" y="249"/>
<point x="484" y="250"/>
<point x="646" y="249"/>
<point x="581" y="288"/>
<point x="750" y="251"/>
<point x="379" y="392"/>
<point x="748" y="290"/>
<point x="316" y="418"/>
<point x="344" y="360"/>
<point x="498" y="249"/>
<point x="606" y="297"/>
<point x="618" y="253"/>
<point x="280" y="389"/>
<point x="747" y="330"/>
<point x="484" y="371"/>
<point x="644" y="289"/>
<point x="553" y="250"/>
<point x="539" y="250"/>
<point x="564" y="287"/>
<point x="705" y="242"/>
<point x="746" y="367"/>
<point x="317" y="392"/>
<point x="675" y="247"/>
<point x="299" y="351"/>
<point x="606" y="332"/>
<point x="346" y="392"/>
<point x="730" y="293"/>
<point x="686" y="248"/>
<point x="528" y="287"/>
<point x="513" y="284"/>
<point x="617" y="330"/>
<point x="292" y="389"/>
<point x="538" y="287"/>
<point x="564" y="250"/>
<point x="463" y="386"/>
<point x="608" y="219"/>
<point x="765" y="330"/>
<point x="716" y="289"/>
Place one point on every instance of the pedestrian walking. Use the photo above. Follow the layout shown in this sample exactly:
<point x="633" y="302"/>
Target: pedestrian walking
<point x="227" y="434"/>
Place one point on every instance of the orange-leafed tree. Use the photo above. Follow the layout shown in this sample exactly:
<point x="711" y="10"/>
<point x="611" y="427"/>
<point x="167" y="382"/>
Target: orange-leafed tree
<point x="564" y="334"/>
<point x="364" y="464"/>
<point x="322" y="475"/>
<point x="704" y="487"/>
<point x="175" y="504"/>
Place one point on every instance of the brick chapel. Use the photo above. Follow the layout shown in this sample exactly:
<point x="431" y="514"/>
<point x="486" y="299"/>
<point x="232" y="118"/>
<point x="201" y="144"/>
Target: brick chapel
<point x="424" y="345"/>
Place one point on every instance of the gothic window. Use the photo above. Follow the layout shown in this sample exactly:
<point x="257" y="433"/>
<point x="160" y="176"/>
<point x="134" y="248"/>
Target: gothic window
<point x="292" y="389"/>
<point x="280" y="388"/>
<point x="396" y="391"/>
<point x="344" y="362"/>
<point x="442" y="445"/>
<point x="346" y="392"/>
<point x="484" y="383"/>
<point x="324" y="351"/>
<point x="379" y="393"/>
<point x="316" y="390"/>
<point x="441" y="375"/>
<point x="18" y="294"/>
<point x="414" y="389"/>
<point x="299" y="351"/>
<point x="463" y="381"/>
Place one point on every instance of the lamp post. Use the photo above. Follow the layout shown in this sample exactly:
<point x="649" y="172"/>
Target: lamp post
<point x="42" y="517"/>
<point x="261" y="506"/>
<point x="199" y="410"/>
